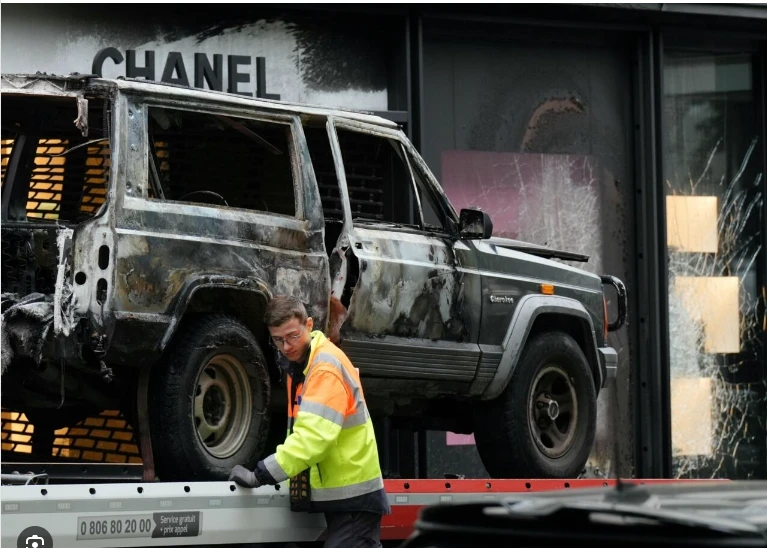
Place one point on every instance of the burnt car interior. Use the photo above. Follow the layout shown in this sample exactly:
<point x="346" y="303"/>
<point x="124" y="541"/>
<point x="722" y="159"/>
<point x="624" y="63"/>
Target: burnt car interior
<point x="377" y="178"/>
<point x="221" y="161"/>
<point x="52" y="176"/>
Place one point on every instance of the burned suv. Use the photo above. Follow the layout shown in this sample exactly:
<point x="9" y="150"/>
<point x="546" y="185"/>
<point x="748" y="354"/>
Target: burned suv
<point x="145" y="227"/>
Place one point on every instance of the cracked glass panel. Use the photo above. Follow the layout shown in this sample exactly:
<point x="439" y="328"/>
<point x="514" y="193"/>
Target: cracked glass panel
<point x="716" y="282"/>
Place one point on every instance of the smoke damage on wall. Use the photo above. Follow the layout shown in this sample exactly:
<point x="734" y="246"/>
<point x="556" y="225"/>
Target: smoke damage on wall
<point x="332" y="59"/>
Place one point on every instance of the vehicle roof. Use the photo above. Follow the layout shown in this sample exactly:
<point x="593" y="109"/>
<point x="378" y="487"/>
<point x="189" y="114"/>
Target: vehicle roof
<point x="33" y="84"/>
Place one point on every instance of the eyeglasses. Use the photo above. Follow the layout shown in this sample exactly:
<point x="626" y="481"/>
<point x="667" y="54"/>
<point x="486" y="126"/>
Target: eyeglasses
<point x="279" y="342"/>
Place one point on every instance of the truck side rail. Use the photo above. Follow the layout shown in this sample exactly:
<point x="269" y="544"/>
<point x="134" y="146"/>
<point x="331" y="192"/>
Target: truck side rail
<point x="210" y="513"/>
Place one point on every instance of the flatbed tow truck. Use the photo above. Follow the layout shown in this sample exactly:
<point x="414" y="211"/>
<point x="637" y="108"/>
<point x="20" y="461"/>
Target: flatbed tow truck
<point x="138" y="513"/>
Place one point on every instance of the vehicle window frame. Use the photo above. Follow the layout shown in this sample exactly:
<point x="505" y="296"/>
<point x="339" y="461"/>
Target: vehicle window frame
<point x="15" y="192"/>
<point x="433" y="188"/>
<point x="290" y="121"/>
<point x="444" y="220"/>
<point x="394" y="135"/>
<point x="325" y="125"/>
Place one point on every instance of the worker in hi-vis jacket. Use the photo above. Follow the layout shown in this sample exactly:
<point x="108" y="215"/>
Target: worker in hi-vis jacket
<point x="330" y="453"/>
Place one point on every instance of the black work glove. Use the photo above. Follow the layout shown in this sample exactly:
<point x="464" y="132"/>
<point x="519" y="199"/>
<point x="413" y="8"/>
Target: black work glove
<point x="244" y="477"/>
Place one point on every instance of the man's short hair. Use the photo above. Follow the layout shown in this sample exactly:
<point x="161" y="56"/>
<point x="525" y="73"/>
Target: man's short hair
<point x="283" y="308"/>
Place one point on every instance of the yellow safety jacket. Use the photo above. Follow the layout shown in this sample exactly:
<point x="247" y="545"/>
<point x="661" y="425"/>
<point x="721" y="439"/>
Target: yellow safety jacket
<point x="332" y="435"/>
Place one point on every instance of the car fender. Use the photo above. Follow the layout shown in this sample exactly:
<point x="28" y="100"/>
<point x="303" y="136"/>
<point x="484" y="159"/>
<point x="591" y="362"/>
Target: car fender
<point x="529" y="308"/>
<point x="210" y="281"/>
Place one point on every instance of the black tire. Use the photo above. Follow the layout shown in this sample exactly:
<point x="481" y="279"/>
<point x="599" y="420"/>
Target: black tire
<point x="214" y="385"/>
<point x="515" y="434"/>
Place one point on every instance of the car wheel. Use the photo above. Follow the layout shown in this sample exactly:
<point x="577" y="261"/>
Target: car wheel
<point x="208" y="403"/>
<point x="543" y="425"/>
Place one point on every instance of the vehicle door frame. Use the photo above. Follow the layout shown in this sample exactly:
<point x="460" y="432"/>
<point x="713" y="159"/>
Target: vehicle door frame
<point x="469" y="350"/>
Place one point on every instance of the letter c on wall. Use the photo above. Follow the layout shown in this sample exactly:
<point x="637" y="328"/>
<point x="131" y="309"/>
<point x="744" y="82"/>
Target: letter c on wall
<point x="104" y="54"/>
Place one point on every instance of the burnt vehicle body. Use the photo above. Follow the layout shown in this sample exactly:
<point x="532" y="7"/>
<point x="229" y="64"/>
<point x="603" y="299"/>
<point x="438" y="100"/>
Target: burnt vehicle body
<point x="146" y="226"/>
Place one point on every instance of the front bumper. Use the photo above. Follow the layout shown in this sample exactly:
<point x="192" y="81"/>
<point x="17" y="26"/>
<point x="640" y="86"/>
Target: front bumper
<point x="608" y="361"/>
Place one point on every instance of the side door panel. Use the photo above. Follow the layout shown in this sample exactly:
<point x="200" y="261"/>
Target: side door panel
<point x="406" y="317"/>
<point x="408" y="287"/>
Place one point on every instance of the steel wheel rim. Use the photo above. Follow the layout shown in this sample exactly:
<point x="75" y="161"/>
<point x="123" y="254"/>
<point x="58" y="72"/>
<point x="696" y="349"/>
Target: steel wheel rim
<point x="553" y="411"/>
<point x="222" y="406"/>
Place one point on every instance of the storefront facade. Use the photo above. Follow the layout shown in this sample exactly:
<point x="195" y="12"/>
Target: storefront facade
<point x="636" y="136"/>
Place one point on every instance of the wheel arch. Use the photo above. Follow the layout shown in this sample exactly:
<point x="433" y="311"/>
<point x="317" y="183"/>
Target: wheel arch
<point x="537" y="314"/>
<point x="244" y="299"/>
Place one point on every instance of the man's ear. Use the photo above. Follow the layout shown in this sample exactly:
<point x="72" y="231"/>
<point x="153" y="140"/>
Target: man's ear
<point x="309" y="324"/>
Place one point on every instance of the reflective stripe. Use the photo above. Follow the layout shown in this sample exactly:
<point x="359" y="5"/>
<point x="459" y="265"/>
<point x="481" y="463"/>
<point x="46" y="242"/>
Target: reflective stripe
<point x="348" y="491"/>
<point x="274" y="468"/>
<point x="335" y="362"/>
<point x="359" y="418"/>
<point x="315" y="408"/>
<point x="324" y="357"/>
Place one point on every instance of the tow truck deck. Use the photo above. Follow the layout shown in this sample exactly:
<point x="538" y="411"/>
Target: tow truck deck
<point x="218" y="513"/>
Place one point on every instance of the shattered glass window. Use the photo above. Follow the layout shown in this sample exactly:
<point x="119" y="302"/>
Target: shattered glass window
<point x="223" y="161"/>
<point x="714" y="219"/>
<point x="62" y="175"/>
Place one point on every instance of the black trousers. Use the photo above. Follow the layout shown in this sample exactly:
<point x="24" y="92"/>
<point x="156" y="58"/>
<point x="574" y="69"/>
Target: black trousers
<point x="353" y="529"/>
